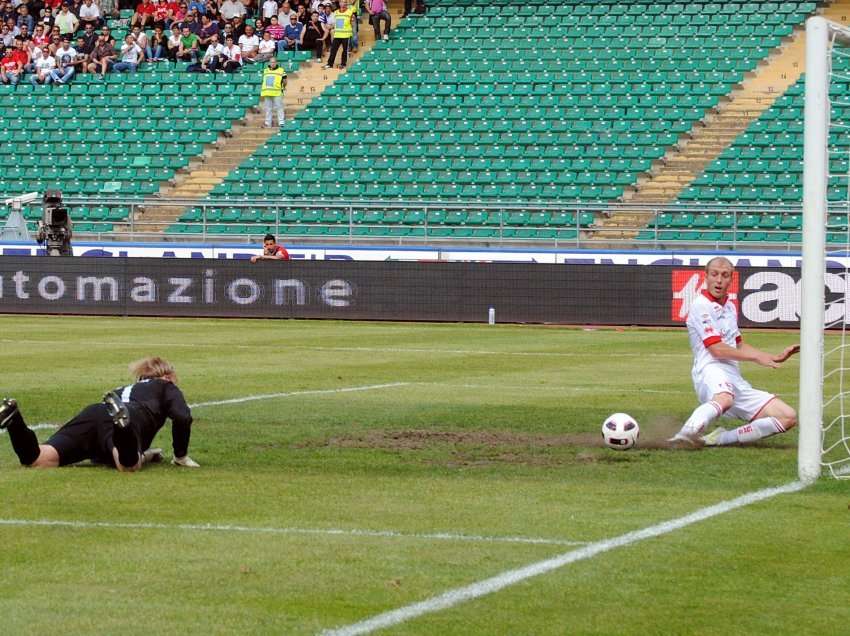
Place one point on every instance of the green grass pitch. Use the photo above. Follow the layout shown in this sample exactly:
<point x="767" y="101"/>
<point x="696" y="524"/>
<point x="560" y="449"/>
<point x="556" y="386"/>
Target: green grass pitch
<point x="485" y="434"/>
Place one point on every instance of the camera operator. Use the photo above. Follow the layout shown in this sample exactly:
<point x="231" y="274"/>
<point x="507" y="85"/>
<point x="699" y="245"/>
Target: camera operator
<point x="54" y="230"/>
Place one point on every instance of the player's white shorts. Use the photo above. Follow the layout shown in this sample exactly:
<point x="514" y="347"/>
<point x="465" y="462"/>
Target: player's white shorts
<point x="715" y="379"/>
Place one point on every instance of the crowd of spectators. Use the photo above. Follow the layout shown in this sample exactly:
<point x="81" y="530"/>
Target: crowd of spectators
<point x="53" y="40"/>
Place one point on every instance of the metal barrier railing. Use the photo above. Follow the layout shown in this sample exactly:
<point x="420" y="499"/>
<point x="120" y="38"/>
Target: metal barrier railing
<point x="399" y="222"/>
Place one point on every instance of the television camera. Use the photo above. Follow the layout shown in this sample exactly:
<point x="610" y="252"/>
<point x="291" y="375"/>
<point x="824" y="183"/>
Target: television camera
<point x="54" y="229"/>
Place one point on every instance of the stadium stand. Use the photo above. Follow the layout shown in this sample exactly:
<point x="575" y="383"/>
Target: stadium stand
<point x="122" y="135"/>
<point x="499" y="104"/>
<point x="470" y="110"/>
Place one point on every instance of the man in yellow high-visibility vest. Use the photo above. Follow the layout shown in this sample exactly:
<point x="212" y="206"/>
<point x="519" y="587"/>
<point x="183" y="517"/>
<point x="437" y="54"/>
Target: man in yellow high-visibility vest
<point x="342" y="30"/>
<point x="271" y="93"/>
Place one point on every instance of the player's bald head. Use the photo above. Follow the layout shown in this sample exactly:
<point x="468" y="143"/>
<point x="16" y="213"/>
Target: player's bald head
<point x="719" y="261"/>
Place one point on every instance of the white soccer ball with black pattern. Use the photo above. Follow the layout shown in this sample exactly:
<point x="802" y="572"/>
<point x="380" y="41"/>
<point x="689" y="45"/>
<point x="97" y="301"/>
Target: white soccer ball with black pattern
<point x="620" y="431"/>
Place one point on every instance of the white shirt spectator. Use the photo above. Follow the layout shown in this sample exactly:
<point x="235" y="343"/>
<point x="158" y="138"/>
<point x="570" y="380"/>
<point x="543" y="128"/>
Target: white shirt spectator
<point x="174" y="40"/>
<point x="131" y="53"/>
<point x="67" y="22"/>
<point x="89" y="11"/>
<point x="43" y="65"/>
<point x="66" y="54"/>
<point x="283" y="18"/>
<point x="142" y="40"/>
<point x="249" y="44"/>
<point x="267" y="46"/>
<point x="231" y="8"/>
<point x="214" y="50"/>
<point x="269" y="9"/>
<point x="234" y="54"/>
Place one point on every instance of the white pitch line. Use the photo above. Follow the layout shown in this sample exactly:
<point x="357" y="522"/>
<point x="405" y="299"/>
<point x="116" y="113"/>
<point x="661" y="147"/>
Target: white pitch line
<point x="512" y="577"/>
<point x="268" y="396"/>
<point x="574" y="389"/>
<point x="352" y="532"/>
<point x="35" y="427"/>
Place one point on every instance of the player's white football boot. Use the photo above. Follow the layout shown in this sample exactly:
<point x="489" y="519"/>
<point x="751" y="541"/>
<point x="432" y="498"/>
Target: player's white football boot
<point x="713" y="438"/>
<point x="680" y="440"/>
<point x="8" y="407"/>
<point x="117" y="409"/>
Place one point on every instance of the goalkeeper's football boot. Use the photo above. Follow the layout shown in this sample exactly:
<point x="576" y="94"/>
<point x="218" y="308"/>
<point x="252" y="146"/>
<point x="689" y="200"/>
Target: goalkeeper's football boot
<point x="8" y="408"/>
<point x="117" y="409"/>
<point x="713" y="438"/>
<point x="152" y="456"/>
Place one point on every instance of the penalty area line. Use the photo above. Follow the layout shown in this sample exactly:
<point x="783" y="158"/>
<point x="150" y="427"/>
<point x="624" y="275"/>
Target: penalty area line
<point x="269" y="396"/>
<point x="493" y="584"/>
<point x="350" y="532"/>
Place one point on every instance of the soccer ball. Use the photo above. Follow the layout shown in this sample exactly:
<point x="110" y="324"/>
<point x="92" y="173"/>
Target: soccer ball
<point x="620" y="431"/>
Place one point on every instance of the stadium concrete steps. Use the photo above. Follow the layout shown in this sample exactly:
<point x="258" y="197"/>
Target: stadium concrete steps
<point x="220" y="158"/>
<point x="718" y="129"/>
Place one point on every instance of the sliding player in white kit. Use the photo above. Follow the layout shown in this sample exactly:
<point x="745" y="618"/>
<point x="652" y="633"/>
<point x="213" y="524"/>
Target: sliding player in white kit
<point x="720" y="388"/>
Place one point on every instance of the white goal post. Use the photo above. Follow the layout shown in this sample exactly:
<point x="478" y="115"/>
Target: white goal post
<point x="821" y="35"/>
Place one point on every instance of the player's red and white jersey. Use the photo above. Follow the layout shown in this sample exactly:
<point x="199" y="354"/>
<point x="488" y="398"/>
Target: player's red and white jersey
<point x="711" y="321"/>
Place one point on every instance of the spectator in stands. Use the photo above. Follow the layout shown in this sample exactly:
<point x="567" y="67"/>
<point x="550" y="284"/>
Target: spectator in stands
<point x="269" y="9"/>
<point x="108" y="9"/>
<point x="66" y="21"/>
<point x="325" y="20"/>
<point x="231" y="8"/>
<point x="90" y="38"/>
<point x="144" y="14"/>
<point x="285" y="12"/>
<point x="90" y="14"/>
<point x="313" y="38"/>
<point x="249" y="44"/>
<point x="157" y="47"/>
<point x="293" y="34"/>
<point x="40" y="37"/>
<point x="42" y="68"/>
<point x="174" y="42"/>
<point x="189" y="46"/>
<point x="178" y="13"/>
<point x="161" y="14"/>
<point x="24" y="18"/>
<point x="102" y="57"/>
<point x="271" y="93"/>
<point x="34" y="53"/>
<point x="354" y="7"/>
<point x="193" y="21"/>
<point x="271" y="251"/>
<point x="131" y="56"/>
<point x="276" y="31"/>
<point x="209" y="28"/>
<point x="65" y="56"/>
<point x="301" y="11"/>
<point x="266" y="49"/>
<point x="233" y="54"/>
<point x="213" y="60"/>
<point x="141" y="38"/>
<point x="107" y="33"/>
<point x="250" y="8"/>
<point x="12" y="64"/>
<point x="378" y="11"/>
<point x="81" y="59"/>
<point x="341" y="31"/>
<point x="239" y="25"/>
<point x="197" y="6"/>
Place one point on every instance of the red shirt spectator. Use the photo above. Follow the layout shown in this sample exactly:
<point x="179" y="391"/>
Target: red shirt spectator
<point x="146" y="8"/>
<point x="271" y="251"/>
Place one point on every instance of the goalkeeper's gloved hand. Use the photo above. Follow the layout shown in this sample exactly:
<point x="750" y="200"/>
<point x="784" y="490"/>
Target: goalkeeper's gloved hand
<point x="186" y="462"/>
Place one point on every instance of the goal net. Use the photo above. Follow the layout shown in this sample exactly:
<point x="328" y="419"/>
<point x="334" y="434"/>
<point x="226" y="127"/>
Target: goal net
<point x="825" y="310"/>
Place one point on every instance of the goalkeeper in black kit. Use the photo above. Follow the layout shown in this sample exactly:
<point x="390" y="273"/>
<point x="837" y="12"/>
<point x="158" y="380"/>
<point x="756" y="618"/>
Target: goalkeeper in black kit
<point x="118" y="431"/>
